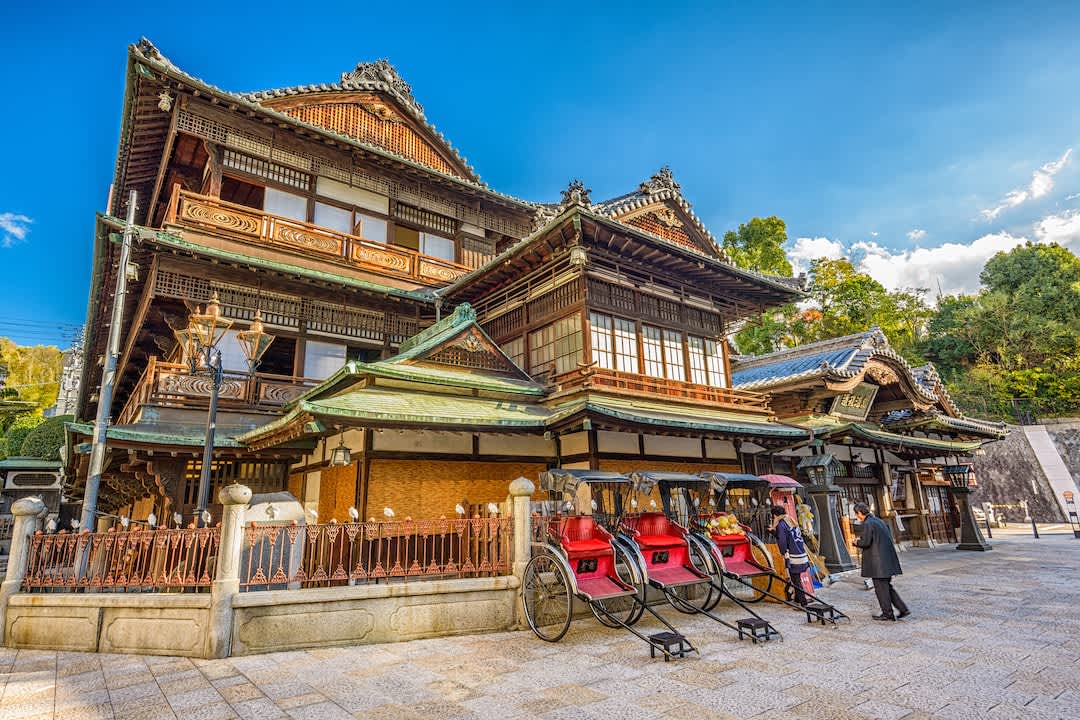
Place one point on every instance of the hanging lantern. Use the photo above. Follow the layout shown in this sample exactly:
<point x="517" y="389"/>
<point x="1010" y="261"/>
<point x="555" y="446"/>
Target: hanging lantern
<point x="340" y="456"/>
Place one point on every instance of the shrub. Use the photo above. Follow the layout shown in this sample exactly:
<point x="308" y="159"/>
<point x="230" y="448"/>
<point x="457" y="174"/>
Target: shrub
<point x="45" y="440"/>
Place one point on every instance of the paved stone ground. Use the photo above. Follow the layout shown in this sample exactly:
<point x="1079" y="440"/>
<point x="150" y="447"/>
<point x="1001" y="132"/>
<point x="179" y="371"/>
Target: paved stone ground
<point x="993" y="635"/>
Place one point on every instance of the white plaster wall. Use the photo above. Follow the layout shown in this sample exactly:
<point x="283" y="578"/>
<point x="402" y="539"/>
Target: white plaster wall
<point x="425" y="442"/>
<point x="575" y="444"/>
<point x="524" y="445"/>
<point x="721" y="450"/>
<point x="673" y="446"/>
<point x="617" y="442"/>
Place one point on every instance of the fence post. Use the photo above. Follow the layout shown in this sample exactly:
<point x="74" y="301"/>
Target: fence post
<point x="234" y="499"/>
<point x="521" y="490"/>
<point x="26" y="513"/>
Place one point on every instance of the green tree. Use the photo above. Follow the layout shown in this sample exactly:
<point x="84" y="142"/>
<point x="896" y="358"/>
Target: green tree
<point x="759" y="245"/>
<point x="33" y="371"/>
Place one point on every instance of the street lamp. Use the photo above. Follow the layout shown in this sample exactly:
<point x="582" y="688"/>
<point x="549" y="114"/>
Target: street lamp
<point x="199" y="345"/>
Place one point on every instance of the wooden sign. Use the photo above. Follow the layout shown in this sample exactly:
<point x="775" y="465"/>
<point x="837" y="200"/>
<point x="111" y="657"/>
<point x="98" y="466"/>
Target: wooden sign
<point x="855" y="405"/>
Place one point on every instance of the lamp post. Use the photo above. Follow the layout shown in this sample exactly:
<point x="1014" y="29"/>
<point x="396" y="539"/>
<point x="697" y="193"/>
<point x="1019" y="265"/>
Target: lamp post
<point x="199" y="344"/>
<point x="971" y="537"/>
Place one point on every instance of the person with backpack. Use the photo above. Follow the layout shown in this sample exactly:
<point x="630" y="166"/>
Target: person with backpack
<point x="789" y="540"/>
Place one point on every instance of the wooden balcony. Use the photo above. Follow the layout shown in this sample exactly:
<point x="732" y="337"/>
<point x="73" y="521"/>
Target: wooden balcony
<point x="623" y="383"/>
<point x="171" y="385"/>
<point x="202" y="212"/>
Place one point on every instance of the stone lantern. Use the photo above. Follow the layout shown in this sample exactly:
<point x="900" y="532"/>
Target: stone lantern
<point x="962" y="480"/>
<point x="820" y="472"/>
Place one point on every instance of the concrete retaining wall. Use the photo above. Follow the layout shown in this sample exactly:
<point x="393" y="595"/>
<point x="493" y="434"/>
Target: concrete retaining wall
<point x="289" y="619"/>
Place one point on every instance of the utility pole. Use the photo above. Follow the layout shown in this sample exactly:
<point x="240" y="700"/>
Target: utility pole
<point x="108" y="376"/>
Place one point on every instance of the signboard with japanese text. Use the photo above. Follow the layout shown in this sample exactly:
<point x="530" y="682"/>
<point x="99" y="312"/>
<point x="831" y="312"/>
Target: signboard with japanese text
<point x="855" y="405"/>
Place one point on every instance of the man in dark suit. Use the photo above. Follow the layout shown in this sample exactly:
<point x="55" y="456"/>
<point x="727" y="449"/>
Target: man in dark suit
<point x="879" y="562"/>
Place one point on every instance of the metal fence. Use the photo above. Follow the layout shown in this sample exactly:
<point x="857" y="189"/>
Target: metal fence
<point x="278" y="557"/>
<point x="139" y="560"/>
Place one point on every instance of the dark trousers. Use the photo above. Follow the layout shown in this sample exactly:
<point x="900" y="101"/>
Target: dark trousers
<point x="887" y="597"/>
<point x="795" y="576"/>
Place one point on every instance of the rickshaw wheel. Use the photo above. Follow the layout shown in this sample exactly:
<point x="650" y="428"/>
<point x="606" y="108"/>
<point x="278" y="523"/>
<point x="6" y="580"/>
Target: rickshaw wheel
<point x="545" y="597"/>
<point x="762" y="583"/>
<point x="691" y="599"/>
<point x="626" y="609"/>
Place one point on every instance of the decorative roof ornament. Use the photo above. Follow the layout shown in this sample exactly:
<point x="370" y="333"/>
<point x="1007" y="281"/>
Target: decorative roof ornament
<point x="382" y="73"/>
<point x="165" y="101"/>
<point x="542" y="216"/>
<point x="662" y="180"/>
<point x="576" y="194"/>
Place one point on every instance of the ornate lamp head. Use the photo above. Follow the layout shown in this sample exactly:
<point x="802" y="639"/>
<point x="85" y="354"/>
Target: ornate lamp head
<point x="209" y="327"/>
<point x="254" y="341"/>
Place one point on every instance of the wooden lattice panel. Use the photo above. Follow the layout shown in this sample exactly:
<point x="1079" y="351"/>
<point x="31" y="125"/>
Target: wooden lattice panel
<point x="650" y="223"/>
<point x="391" y="134"/>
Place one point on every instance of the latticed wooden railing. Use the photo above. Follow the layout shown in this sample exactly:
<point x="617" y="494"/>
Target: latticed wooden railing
<point x="140" y="560"/>
<point x="172" y="384"/>
<point x="634" y="384"/>
<point x="210" y="213"/>
<point x="279" y="556"/>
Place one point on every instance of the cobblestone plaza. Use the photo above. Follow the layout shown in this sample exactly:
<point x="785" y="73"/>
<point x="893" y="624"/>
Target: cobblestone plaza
<point x="993" y="635"/>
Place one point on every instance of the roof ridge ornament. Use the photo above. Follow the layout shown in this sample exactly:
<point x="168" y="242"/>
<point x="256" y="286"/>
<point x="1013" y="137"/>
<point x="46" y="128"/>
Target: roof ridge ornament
<point x="660" y="181"/>
<point x="576" y="194"/>
<point x="383" y="73"/>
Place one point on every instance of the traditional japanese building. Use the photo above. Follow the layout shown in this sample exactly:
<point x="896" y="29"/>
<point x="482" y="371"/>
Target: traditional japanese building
<point x="895" y="433"/>
<point x="337" y="219"/>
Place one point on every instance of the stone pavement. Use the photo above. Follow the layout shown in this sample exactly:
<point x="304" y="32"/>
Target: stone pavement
<point x="993" y="635"/>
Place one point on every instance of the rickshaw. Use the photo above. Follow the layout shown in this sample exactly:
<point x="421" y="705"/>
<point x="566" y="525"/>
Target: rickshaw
<point x="677" y="561"/>
<point x="738" y="560"/>
<point x="578" y="556"/>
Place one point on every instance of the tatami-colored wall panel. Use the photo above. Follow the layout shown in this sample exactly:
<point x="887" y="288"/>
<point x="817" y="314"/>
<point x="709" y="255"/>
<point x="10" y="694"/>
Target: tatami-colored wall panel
<point x="431" y="488"/>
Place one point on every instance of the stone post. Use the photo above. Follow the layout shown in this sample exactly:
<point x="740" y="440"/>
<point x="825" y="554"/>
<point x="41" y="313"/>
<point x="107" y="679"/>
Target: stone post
<point x="521" y="490"/>
<point x="234" y="499"/>
<point x="26" y="512"/>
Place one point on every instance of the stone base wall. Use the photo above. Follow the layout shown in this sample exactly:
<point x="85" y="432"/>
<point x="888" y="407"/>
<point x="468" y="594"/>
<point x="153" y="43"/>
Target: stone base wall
<point x="143" y="623"/>
<point x="291" y="619"/>
<point x="1009" y="473"/>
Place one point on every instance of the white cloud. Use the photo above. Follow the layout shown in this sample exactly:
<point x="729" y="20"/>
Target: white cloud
<point x="951" y="268"/>
<point x="916" y="235"/>
<point x="13" y="228"/>
<point x="807" y="249"/>
<point x="873" y="233"/>
<point x="1042" y="182"/>
<point x="1063" y="229"/>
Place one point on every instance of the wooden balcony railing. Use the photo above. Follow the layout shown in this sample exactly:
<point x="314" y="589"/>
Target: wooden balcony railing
<point x="644" y="385"/>
<point x="170" y="384"/>
<point x="209" y="213"/>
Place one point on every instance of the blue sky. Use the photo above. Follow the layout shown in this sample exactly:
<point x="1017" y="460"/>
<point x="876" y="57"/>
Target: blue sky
<point x="919" y="139"/>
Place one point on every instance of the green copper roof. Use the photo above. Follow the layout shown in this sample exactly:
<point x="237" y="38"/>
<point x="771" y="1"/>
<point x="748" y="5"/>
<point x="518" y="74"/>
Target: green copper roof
<point x="127" y="434"/>
<point x="663" y="414"/>
<point x="451" y="377"/>
<point x="826" y="426"/>
<point x="25" y="463"/>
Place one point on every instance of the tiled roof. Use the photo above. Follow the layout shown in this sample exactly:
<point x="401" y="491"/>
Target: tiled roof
<point x="843" y="357"/>
<point x="146" y="53"/>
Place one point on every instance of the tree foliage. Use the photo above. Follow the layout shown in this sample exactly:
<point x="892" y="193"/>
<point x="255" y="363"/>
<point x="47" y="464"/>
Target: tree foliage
<point x="45" y="440"/>
<point x="17" y="433"/>
<point x="33" y="372"/>
<point x="1018" y="340"/>
<point x="759" y="245"/>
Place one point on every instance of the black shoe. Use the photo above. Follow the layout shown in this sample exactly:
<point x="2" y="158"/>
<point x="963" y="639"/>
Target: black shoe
<point x="903" y="615"/>
<point x="884" y="617"/>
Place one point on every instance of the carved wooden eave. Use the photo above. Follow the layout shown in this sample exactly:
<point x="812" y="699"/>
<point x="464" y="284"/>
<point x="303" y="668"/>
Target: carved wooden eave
<point x="881" y="373"/>
<point x="294" y="428"/>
